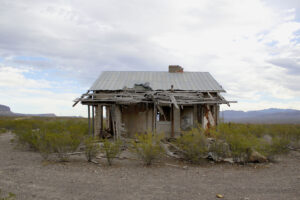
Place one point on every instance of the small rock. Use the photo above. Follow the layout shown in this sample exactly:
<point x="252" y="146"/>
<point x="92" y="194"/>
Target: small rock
<point x="257" y="157"/>
<point x="219" y="196"/>
<point x="185" y="167"/>
<point x="230" y="160"/>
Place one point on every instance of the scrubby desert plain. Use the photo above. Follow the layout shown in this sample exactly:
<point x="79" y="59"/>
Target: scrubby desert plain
<point x="26" y="174"/>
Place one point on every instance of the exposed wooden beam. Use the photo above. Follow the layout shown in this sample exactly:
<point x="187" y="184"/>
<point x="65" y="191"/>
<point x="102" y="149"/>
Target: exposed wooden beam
<point x="79" y="99"/>
<point x="173" y="100"/>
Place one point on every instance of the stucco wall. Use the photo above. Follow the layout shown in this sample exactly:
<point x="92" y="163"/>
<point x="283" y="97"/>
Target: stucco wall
<point x="137" y="118"/>
<point x="164" y="127"/>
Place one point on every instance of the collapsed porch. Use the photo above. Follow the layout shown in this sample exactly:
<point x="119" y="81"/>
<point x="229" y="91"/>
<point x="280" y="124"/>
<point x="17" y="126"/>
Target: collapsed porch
<point x="141" y="109"/>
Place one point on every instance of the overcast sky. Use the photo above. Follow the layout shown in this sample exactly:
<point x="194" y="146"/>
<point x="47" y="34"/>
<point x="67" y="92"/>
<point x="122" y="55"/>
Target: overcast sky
<point x="52" y="51"/>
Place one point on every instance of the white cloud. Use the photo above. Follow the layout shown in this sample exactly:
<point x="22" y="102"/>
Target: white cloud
<point x="251" y="47"/>
<point x="34" y="96"/>
<point x="13" y="78"/>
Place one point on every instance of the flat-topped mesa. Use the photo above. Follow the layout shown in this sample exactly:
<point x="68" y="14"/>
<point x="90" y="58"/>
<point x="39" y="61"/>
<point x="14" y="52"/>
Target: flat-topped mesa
<point x="175" y="69"/>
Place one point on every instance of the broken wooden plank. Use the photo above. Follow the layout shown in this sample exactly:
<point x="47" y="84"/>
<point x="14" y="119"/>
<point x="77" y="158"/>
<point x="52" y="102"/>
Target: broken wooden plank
<point x="77" y="100"/>
<point x="173" y="100"/>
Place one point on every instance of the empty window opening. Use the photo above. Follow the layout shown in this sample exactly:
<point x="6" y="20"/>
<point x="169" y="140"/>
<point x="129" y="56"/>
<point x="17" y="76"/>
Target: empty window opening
<point x="212" y="110"/>
<point x="165" y="115"/>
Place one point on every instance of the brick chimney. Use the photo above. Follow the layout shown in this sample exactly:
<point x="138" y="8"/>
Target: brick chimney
<point x="175" y="69"/>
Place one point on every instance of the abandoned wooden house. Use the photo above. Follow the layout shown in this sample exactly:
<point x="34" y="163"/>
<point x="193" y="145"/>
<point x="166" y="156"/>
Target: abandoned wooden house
<point x="133" y="102"/>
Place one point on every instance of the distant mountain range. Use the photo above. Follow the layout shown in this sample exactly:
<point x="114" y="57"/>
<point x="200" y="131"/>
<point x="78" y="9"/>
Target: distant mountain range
<point x="267" y="116"/>
<point x="272" y="115"/>
<point x="5" y="111"/>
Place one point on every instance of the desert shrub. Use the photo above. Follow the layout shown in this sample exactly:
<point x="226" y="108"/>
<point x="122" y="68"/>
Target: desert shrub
<point x="3" y="130"/>
<point x="240" y="145"/>
<point x="111" y="149"/>
<point x="28" y="137"/>
<point x="219" y="149"/>
<point x="193" y="145"/>
<point x="11" y="196"/>
<point x="91" y="148"/>
<point x="44" y="145"/>
<point x="63" y="144"/>
<point x="147" y="147"/>
<point x="244" y="138"/>
<point x="279" y="145"/>
<point x="48" y="135"/>
<point x="239" y="138"/>
<point x="23" y="124"/>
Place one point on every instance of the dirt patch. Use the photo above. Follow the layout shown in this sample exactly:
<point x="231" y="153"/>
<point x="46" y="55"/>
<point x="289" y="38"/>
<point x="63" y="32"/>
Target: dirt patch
<point x="24" y="173"/>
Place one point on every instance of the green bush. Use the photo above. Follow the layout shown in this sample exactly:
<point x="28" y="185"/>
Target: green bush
<point x="147" y="147"/>
<point x="3" y="130"/>
<point x="91" y="148"/>
<point x="219" y="149"/>
<point x="48" y="135"/>
<point x="64" y="143"/>
<point x="244" y="138"/>
<point x="193" y="145"/>
<point x="279" y="145"/>
<point x="240" y="139"/>
<point x="44" y="145"/>
<point x="28" y="137"/>
<point x="63" y="135"/>
<point x="111" y="149"/>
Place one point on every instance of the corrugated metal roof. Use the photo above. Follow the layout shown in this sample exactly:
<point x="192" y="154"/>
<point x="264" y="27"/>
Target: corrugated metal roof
<point x="117" y="80"/>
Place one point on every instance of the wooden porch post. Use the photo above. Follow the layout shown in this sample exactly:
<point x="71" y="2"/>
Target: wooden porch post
<point x="107" y="121"/>
<point x="89" y="120"/>
<point x="154" y="119"/>
<point x="93" y="120"/>
<point x="101" y="120"/>
<point x="172" y="117"/>
<point x="217" y="114"/>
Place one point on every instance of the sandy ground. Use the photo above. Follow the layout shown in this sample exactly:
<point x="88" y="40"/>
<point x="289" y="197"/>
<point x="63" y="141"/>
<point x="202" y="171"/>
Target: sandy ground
<point x="24" y="173"/>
